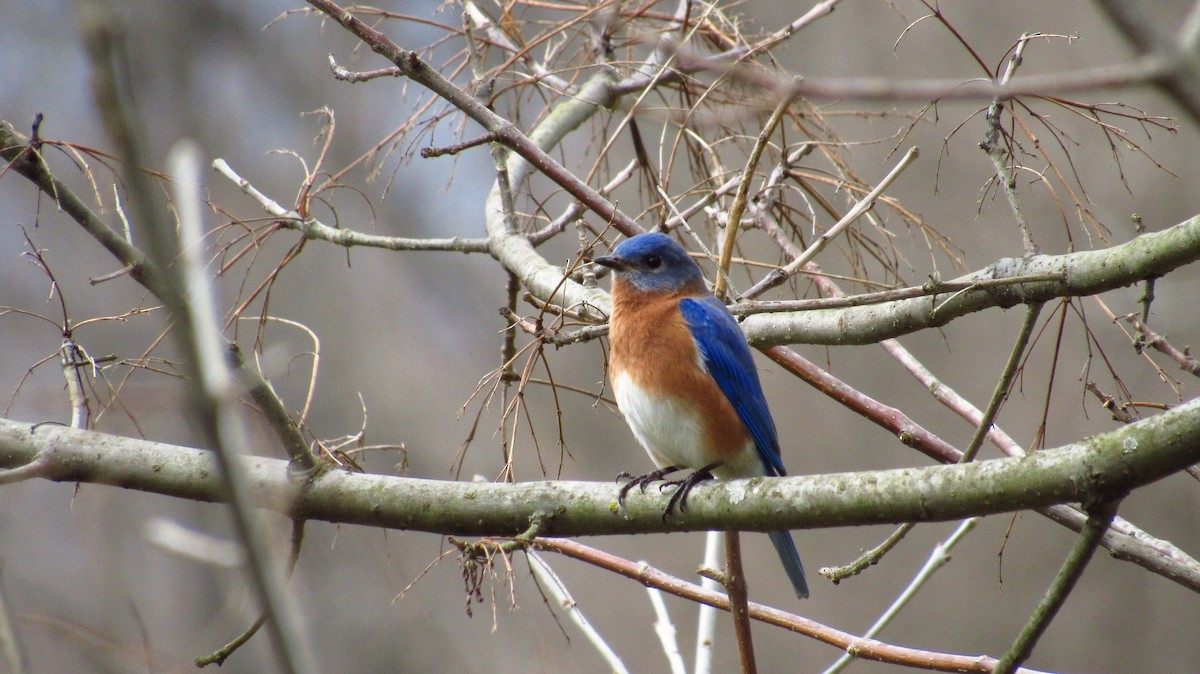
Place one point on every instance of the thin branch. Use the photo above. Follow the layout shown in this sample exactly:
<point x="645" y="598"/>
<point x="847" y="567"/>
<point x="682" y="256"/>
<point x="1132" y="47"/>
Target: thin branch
<point x="313" y="228"/>
<point x="29" y="163"/>
<point x="997" y="149"/>
<point x="867" y="649"/>
<point x="837" y="574"/>
<point x="938" y="558"/>
<point x="1099" y="517"/>
<point x="1147" y="337"/>
<point x="552" y="584"/>
<point x="734" y="220"/>
<point x="735" y="588"/>
<point x="664" y="629"/>
<point x="780" y="275"/>
<point x="1000" y="393"/>
<point x="275" y="412"/>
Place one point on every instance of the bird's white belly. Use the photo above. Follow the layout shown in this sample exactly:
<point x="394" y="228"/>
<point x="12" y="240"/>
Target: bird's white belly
<point x="671" y="432"/>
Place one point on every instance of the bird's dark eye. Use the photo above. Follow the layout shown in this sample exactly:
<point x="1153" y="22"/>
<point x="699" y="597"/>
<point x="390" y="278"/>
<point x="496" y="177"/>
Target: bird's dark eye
<point x="653" y="262"/>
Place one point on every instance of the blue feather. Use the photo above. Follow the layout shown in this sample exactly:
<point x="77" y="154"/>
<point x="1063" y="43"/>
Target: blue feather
<point x="728" y="359"/>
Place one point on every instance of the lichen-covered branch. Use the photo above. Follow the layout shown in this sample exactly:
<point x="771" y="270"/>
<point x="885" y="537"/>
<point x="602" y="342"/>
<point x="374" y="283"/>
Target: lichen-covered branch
<point x="1104" y="466"/>
<point x="1084" y="273"/>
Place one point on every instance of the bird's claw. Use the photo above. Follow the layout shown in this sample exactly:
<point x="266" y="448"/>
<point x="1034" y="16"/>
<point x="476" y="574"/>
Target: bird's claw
<point x="682" y="487"/>
<point x="639" y="481"/>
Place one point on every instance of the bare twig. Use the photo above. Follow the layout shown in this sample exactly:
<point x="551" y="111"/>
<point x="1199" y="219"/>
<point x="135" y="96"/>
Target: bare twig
<point x="782" y="274"/>
<point x="1148" y="337"/>
<point x="837" y="574"/>
<point x="1000" y="393"/>
<point x="313" y="228"/>
<point x="867" y="649"/>
<point x="739" y="198"/>
<point x="1099" y="517"/>
<point x="938" y="558"/>
<point x="735" y="587"/>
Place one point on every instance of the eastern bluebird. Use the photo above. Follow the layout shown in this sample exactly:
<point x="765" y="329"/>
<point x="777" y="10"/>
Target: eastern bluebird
<point x="684" y="378"/>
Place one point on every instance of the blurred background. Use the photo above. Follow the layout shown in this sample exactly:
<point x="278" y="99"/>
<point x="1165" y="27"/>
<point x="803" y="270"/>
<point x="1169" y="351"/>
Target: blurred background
<point x="409" y="336"/>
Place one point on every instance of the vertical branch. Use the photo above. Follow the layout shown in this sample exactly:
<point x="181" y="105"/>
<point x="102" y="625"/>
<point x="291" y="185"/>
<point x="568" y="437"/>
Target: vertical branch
<point x="508" y="374"/>
<point x="216" y="391"/>
<point x="739" y="608"/>
<point x="1099" y="517"/>
<point x="73" y="360"/>
<point x="1000" y="394"/>
<point x="706" y="623"/>
<point x="738" y="206"/>
<point x="214" y="404"/>
<point x="996" y="147"/>
<point x="14" y="655"/>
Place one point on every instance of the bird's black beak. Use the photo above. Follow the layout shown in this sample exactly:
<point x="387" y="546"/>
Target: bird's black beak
<point x="612" y="262"/>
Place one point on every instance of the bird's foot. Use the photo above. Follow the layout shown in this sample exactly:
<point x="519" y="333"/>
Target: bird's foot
<point x="684" y="487"/>
<point x="640" y="481"/>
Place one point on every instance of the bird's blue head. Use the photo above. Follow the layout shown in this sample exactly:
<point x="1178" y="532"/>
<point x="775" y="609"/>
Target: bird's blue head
<point x="654" y="263"/>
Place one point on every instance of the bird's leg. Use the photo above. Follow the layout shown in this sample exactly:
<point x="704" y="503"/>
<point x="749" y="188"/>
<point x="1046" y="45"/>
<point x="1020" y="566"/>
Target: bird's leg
<point x="642" y="480"/>
<point x="684" y="486"/>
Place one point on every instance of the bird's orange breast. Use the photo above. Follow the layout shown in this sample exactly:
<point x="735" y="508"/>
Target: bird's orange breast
<point x="673" y="405"/>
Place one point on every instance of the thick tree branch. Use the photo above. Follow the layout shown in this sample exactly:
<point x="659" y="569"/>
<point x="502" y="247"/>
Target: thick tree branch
<point x="1106" y="465"/>
<point x="1084" y="273"/>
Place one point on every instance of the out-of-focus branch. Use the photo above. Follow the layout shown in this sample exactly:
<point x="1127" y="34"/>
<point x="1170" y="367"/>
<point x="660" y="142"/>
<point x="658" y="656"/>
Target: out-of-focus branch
<point x="1142" y="71"/>
<point x="10" y="645"/>
<point x="1180" y="76"/>
<point x="185" y="291"/>
<point x="216" y="394"/>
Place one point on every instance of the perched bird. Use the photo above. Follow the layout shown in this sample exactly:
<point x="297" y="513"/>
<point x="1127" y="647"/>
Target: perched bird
<point x="684" y="378"/>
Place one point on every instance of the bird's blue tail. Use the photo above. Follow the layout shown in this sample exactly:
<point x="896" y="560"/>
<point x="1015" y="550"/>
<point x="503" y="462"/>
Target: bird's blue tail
<point x="791" y="561"/>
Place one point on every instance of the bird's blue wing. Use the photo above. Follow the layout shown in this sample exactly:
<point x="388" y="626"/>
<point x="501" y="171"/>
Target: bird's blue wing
<point x="727" y="357"/>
